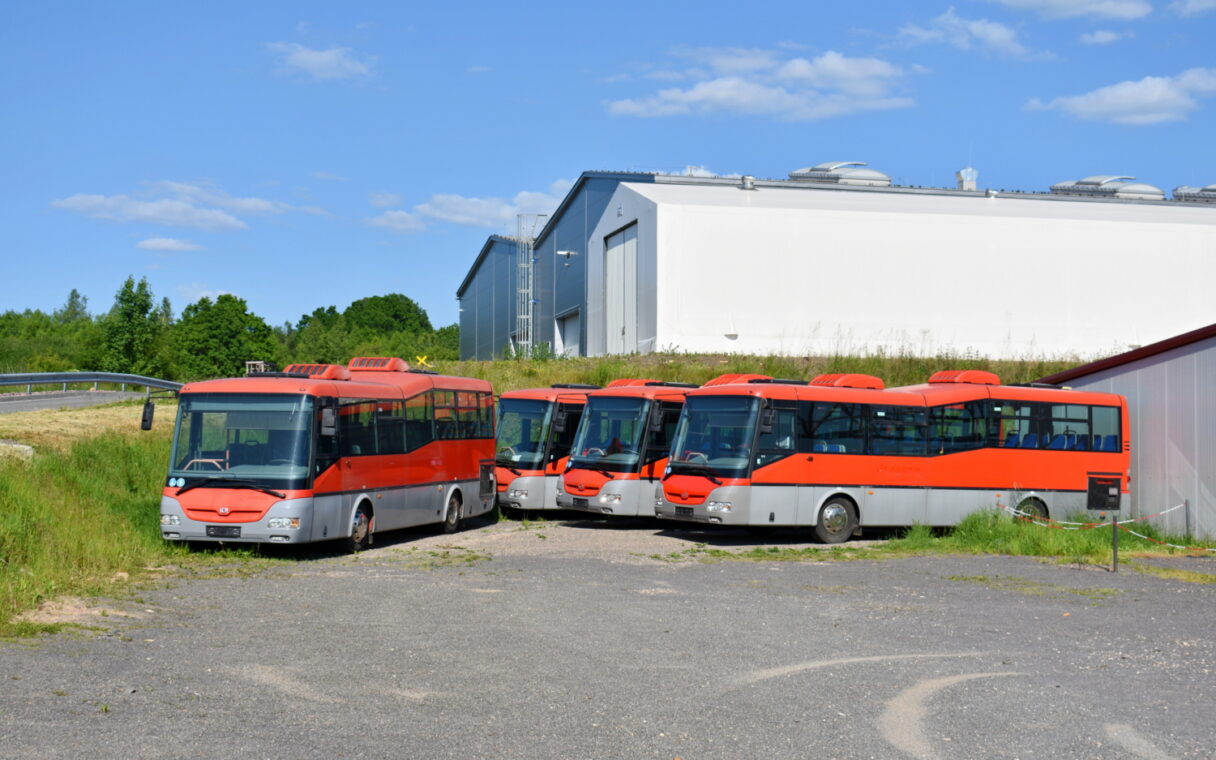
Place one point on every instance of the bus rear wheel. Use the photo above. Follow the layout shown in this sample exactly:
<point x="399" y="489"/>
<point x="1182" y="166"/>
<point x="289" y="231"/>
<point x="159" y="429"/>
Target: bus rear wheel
<point x="1033" y="508"/>
<point x="451" y="519"/>
<point x="360" y="530"/>
<point x="837" y="521"/>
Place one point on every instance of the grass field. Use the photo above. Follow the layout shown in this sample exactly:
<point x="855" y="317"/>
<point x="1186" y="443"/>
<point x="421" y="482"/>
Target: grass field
<point x="81" y="517"/>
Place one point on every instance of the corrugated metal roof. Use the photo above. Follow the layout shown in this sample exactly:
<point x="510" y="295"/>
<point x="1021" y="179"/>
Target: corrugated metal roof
<point x="1160" y="347"/>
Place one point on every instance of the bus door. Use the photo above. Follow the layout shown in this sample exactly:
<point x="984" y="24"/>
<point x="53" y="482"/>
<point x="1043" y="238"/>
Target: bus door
<point x="561" y="440"/>
<point x="661" y="427"/>
<point x="896" y="441"/>
<point x="779" y="475"/>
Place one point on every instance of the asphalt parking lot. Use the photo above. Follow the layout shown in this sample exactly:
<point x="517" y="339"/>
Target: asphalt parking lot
<point x="575" y="641"/>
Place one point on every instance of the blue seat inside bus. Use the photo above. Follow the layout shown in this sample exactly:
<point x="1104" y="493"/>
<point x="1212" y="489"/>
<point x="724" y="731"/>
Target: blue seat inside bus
<point x="1030" y="441"/>
<point x="1012" y="440"/>
<point x="1109" y="443"/>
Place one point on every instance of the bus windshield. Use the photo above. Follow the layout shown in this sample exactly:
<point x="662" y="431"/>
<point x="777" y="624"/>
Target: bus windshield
<point x="610" y="433"/>
<point x="261" y="438"/>
<point x="523" y="431"/>
<point x="715" y="432"/>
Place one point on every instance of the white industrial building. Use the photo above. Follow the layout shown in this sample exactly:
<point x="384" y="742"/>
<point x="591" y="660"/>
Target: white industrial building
<point x="836" y="259"/>
<point x="1171" y="396"/>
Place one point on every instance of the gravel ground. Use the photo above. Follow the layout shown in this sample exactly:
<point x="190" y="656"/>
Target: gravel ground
<point x="569" y="640"/>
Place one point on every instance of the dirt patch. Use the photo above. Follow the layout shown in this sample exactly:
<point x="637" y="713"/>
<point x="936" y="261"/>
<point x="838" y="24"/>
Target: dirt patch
<point x="75" y="611"/>
<point x="623" y="540"/>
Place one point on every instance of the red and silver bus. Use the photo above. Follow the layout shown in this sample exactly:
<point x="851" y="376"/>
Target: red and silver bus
<point x="621" y="447"/>
<point x="842" y="452"/>
<point x="534" y="434"/>
<point x="325" y="451"/>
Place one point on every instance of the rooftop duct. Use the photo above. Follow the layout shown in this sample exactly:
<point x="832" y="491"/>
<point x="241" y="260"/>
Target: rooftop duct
<point x="1206" y="194"/>
<point x="1103" y="186"/>
<point x="842" y="173"/>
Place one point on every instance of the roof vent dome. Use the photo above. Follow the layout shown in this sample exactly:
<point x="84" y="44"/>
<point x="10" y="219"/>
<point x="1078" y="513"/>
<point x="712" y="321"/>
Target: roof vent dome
<point x="1110" y="186"/>
<point x="1206" y="194"/>
<point x="842" y="173"/>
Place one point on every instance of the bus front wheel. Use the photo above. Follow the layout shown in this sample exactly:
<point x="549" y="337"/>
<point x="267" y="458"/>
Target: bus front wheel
<point x="837" y="521"/>
<point x="360" y="530"/>
<point x="451" y="519"/>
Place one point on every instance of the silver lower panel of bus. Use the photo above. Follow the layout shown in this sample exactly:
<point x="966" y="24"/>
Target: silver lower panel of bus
<point x="629" y="498"/>
<point x="330" y="516"/>
<point x="800" y="505"/>
<point x="540" y="490"/>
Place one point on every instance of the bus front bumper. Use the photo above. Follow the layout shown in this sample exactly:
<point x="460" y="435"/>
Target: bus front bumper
<point x="722" y="506"/>
<point x="630" y="498"/>
<point x="526" y="492"/>
<point x="287" y="522"/>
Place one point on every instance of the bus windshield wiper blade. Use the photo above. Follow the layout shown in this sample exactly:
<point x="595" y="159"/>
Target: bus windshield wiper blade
<point x="506" y="465"/>
<point x="229" y="483"/>
<point x="606" y="473"/>
<point x="698" y="469"/>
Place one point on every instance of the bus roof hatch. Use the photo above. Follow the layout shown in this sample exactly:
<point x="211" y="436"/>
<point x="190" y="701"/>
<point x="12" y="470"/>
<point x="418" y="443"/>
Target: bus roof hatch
<point x="974" y="376"/>
<point x="850" y="380"/>
<point x="319" y="371"/>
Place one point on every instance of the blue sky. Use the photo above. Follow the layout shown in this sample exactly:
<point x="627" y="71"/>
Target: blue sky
<point x="304" y="154"/>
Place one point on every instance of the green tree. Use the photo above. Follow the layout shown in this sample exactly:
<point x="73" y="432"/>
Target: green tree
<point x="215" y="339"/>
<point x="75" y="310"/>
<point x="130" y="331"/>
<point x="387" y="314"/>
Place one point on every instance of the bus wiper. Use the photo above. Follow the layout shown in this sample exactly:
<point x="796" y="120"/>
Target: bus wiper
<point x="230" y="483"/>
<point x="606" y="473"/>
<point x="698" y="469"/>
<point x="507" y="466"/>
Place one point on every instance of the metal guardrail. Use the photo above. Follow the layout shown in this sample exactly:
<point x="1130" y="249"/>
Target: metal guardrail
<point x="30" y="379"/>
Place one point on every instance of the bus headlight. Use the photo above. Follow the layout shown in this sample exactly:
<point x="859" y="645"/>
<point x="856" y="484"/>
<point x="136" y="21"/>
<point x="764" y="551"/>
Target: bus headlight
<point x="170" y="519"/>
<point x="610" y="498"/>
<point x="718" y="506"/>
<point x="516" y="493"/>
<point x="279" y="523"/>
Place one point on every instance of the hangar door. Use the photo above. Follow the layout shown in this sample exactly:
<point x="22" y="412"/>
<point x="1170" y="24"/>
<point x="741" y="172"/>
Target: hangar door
<point x="621" y="291"/>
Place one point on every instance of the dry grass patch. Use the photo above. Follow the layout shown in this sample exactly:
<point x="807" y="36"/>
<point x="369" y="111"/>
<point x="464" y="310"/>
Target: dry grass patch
<point x="58" y="429"/>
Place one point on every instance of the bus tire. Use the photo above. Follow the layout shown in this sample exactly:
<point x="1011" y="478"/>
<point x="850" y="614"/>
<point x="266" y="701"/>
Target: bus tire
<point x="837" y="521"/>
<point x="360" y="529"/>
<point x="1033" y="507"/>
<point x="452" y="517"/>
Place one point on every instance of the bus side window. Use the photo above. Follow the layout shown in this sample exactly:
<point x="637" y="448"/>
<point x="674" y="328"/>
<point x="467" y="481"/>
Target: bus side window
<point x="419" y="414"/>
<point x="1106" y="428"/>
<point x="781" y="440"/>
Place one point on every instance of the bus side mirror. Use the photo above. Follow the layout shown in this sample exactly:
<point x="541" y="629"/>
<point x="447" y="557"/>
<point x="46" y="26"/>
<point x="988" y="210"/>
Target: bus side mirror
<point x="766" y="420"/>
<point x="145" y="422"/>
<point x="329" y="421"/>
<point x="559" y="422"/>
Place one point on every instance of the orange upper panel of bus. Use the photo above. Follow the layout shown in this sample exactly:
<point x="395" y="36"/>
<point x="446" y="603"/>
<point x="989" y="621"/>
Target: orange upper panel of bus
<point x="365" y="376"/>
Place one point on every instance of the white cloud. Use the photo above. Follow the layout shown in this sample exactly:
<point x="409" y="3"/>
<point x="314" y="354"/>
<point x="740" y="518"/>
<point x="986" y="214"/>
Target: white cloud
<point x="323" y="65"/>
<point x="174" y="204"/>
<point x="1102" y="37"/>
<point x="168" y="245"/>
<point x="760" y="82"/>
<point x="968" y="34"/>
<point x="213" y="197"/>
<point x="493" y="213"/>
<point x="398" y="221"/>
<point x="328" y="177"/>
<point x="166" y="211"/>
<point x="1192" y="7"/>
<point x="196" y="291"/>
<point x="1121" y="9"/>
<point x="384" y="200"/>
<point x="1151" y="100"/>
